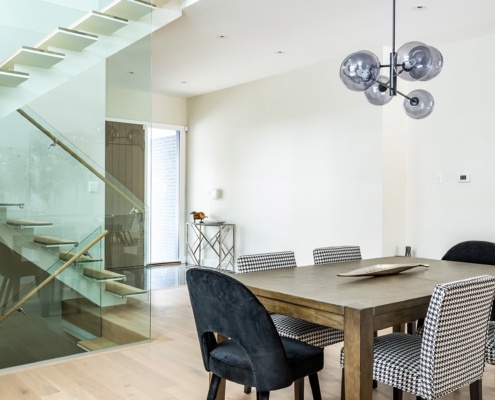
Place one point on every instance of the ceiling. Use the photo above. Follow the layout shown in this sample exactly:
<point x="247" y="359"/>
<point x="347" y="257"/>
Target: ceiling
<point x="222" y="43"/>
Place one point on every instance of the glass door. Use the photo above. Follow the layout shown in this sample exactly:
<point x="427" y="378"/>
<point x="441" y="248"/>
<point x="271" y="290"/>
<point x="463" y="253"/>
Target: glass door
<point x="165" y="193"/>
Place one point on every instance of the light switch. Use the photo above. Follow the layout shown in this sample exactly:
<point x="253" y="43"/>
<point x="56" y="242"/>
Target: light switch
<point x="93" y="187"/>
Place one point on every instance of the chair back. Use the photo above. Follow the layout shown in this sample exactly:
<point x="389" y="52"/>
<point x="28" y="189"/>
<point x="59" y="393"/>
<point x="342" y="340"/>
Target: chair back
<point x="266" y="261"/>
<point x="455" y="334"/>
<point x="224" y="305"/>
<point x="329" y="255"/>
<point x="472" y="251"/>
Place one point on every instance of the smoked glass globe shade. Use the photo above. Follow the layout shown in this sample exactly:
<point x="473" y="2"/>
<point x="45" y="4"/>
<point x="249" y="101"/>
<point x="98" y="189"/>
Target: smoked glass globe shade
<point x="360" y="70"/>
<point x="421" y="104"/>
<point x="415" y="61"/>
<point x="377" y="93"/>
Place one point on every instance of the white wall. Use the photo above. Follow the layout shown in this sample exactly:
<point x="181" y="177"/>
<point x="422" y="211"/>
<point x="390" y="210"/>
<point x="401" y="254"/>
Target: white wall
<point x="135" y="106"/>
<point x="298" y="158"/>
<point x="459" y="136"/>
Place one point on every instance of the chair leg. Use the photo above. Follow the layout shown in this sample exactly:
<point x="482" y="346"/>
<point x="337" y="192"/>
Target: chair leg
<point x="299" y="389"/>
<point x="342" y="386"/>
<point x="397" y="394"/>
<point x="411" y="328"/>
<point x="262" y="395"/>
<point x="214" y="385"/>
<point x="247" y="389"/>
<point x="476" y="391"/>
<point x="315" y="386"/>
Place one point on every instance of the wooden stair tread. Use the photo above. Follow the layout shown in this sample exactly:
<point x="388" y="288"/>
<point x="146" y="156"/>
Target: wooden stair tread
<point x="123" y="323"/>
<point x="12" y="78"/>
<point x="99" y="343"/>
<point x="66" y="256"/>
<point x="51" y="240"/>
<point x="102" y="274"/>
<point x="99" y="23"/>
<point x="27" y="222"/>
<point x="129" y="9"/>
<point x="68" y="39"/>
<point x="121" y="289"/>
<point x="33" y="57"/>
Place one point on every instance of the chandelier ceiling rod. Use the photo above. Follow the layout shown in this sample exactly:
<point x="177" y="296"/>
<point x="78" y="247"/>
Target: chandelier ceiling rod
<point x="393" y="75"/>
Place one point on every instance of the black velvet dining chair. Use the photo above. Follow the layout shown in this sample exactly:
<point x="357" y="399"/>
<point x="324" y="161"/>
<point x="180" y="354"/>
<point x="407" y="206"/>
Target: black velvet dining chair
<point x="253" y="353"/>
<point x="476" y="252"/>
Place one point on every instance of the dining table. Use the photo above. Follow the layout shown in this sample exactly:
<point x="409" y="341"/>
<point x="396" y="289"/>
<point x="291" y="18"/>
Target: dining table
<point x="360" y="305"/>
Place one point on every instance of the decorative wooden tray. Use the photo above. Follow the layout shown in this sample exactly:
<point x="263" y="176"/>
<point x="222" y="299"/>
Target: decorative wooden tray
<point x="381" y="269"/>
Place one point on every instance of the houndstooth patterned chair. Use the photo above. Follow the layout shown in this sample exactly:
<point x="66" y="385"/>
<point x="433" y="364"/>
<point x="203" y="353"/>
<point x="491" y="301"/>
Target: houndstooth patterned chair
<point x="307" y="332"/>
<point x="451" y="352"/>
<point x="490" y="344"/>
<point x="328" y="255"/>
<point x="266" y="261"/>
<point x="289" y="327"/>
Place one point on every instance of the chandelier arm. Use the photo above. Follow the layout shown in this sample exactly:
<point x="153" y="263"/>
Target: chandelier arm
<point x="389" y="87"/>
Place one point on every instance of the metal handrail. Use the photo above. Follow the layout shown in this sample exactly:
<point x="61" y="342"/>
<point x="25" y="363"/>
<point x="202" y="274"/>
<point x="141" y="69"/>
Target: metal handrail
<point x="33" y="292"/>
<point x="57" y="142"/>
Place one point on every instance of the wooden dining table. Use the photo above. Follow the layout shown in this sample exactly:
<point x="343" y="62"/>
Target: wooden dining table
<point x="358" y="305"/>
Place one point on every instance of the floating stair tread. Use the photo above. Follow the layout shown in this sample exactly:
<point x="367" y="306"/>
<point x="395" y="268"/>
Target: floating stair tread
<point x="33" y="57"/>
<point x="20" y="205"/>
<point x="53" y="241"/>
<point x="124" y="323"/>
<point x="129" y="9"/>
<point x="121" y="289"/>
<point x="12" y="78"/>
<point x="102" y="274"/>
<point x="99" y="23"/>
<point x="96" y="344"/>
<point x="67" y="39"/>
<point x="27" y="223"/>
<point x="66" y="256"/>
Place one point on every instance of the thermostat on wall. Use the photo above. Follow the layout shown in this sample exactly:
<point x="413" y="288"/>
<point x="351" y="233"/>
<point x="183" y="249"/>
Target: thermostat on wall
<point x="463" y="177"/>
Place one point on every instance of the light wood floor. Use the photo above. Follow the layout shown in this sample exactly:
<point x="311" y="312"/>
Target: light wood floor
<point x="169" y="367"/>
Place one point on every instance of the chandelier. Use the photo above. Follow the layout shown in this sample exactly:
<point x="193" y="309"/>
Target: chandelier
<point x="413" y="61"/>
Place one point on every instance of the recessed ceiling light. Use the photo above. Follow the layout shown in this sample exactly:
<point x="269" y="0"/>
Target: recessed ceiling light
<point x="131" y="72"/>
<point x="419" y="8"/>
<point x="184" y="82"/>
<point x="280" y="52"/>
<point x="222" y="37"/>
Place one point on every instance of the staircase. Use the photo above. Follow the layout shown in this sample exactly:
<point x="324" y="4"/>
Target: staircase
<point x="46" y="215"/>
<point x="36" y="68"/>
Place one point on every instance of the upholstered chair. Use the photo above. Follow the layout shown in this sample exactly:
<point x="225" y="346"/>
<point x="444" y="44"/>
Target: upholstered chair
<point x="451" y="352"/>
<point x="252" y="353"/>
<point x="490" y="344"/>
<point x="335" y="254"/>
<point x="476" y="252"/>
<point x="314" y="334"/>
<point x="289" y="327"/>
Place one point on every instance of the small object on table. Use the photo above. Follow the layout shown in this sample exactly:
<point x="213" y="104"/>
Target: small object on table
<point x="198" y="215"/>
<point x="381" y="269"/>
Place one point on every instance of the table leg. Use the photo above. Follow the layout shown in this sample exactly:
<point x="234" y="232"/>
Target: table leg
<point x="358" y="361"/>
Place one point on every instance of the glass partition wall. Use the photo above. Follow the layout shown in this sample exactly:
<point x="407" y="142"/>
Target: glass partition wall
<point x="74" y="275"/>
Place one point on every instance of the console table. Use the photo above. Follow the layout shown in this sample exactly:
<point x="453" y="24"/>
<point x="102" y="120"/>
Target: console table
<point x="210" y="241"/>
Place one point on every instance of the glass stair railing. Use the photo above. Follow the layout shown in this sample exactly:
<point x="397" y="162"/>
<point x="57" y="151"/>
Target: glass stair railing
<point x="67" y="40"/>
<point x="54" y="201"/>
